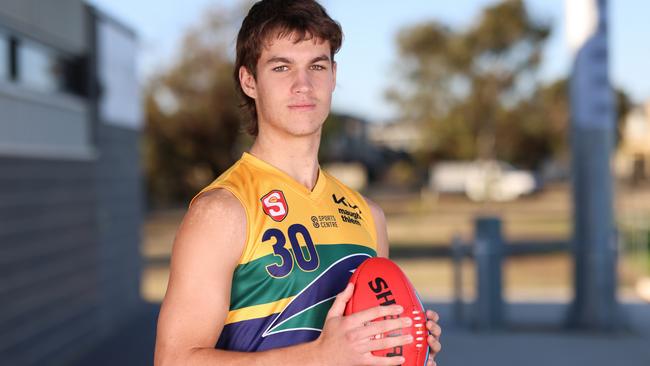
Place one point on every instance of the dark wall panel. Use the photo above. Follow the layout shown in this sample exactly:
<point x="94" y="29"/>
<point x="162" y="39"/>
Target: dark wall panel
<point x="69" y="250"/>
<point x="49" y="288"/>
<point x="120" y="203"/>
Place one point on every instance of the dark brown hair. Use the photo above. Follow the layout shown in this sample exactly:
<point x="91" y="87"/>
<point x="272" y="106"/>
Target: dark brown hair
<point x="301" y="19"/>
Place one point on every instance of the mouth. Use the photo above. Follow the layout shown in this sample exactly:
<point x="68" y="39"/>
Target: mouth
<point x="302" y="106"/>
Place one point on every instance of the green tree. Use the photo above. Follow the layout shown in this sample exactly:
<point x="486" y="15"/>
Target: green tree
<point x="460" y="84"/>
<point x="475" y="94"/>
<point x="537" y="128"/>
<point x="193" y="121"/>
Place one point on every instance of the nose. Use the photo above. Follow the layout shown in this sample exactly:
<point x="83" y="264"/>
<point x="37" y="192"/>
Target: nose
<point x="302" y="82"/>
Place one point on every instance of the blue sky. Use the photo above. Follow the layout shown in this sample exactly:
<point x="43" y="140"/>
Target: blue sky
<point x="367" y="61"/>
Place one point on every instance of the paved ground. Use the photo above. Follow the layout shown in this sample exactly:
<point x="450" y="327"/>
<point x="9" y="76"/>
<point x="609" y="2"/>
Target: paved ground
<point x="534" y="337"/>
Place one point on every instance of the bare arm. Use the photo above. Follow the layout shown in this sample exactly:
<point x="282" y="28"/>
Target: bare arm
<point x="206" y="251"/>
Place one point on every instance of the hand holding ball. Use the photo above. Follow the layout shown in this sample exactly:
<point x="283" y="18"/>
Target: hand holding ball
<point x="380" y="282"/>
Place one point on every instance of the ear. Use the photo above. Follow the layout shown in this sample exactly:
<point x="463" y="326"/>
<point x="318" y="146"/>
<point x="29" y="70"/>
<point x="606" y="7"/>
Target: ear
<point x="334" y="75"/>
<point x="247" y="82"/>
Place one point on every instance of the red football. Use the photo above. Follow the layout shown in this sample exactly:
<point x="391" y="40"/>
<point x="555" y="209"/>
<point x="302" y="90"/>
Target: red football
<point x="379" y="281"/>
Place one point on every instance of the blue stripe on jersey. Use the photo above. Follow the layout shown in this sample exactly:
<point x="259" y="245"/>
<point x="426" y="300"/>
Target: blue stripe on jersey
<point x="244" y="336"/>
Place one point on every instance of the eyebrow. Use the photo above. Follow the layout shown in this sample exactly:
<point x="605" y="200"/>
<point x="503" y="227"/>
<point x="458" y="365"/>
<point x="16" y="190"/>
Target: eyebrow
<point x="279" y="59"/>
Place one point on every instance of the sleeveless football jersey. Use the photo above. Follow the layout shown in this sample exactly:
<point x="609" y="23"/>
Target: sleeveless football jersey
<point x="301" y="248"/>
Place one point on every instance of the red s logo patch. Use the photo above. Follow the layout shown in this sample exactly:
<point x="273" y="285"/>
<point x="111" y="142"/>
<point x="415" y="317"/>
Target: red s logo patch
<point x="275" y="205"/>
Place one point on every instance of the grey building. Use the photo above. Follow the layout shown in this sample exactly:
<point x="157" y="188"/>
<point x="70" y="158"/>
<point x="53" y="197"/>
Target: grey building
<point x="70" y="185"/>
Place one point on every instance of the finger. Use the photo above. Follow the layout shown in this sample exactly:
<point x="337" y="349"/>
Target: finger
<point x="338" y="307"/>
<point x="434" y="344"/>
<point x="388" y="342"/>
<point x="433" y="315"/>
<point x="431" y="362"/>
<point x="374" y="313"/>
<point x="434" y="329"/>
<point x="382" y="326"/>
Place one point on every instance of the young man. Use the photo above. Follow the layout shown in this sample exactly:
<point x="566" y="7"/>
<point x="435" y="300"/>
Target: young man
<point x="264" y="250"/>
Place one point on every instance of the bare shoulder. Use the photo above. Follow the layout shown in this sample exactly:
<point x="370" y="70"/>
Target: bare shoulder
<point x="216" y="221"/>
<point x="220" y="202"/>
<point x="377" y="212"/>
<point x="380" y="227"/>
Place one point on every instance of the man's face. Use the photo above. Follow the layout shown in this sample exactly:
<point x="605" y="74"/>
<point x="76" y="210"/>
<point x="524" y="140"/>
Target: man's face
<point x="294" y="85"/>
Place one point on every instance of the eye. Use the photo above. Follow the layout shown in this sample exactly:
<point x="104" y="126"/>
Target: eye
<point x="280" y="68"/>
<point x="318" y="67"/>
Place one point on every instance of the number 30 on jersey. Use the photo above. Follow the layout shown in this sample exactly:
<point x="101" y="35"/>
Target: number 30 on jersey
<point x="306" y="261"/>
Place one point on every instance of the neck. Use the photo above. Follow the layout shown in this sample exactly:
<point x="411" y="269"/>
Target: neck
<point x="296" y="156"/>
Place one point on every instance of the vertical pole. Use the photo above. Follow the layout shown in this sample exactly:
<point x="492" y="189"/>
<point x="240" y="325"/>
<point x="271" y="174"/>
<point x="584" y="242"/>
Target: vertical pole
<point x="457" y="258"/>
<point x="592" y="125"/>
<point x="488" y="255"/>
